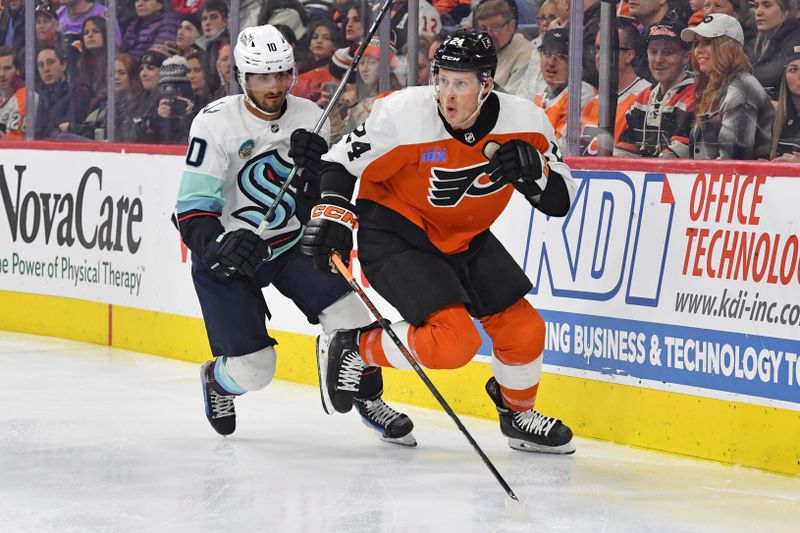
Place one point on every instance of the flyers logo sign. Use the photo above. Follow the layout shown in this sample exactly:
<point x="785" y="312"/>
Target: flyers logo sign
<point x="449" y="186"/>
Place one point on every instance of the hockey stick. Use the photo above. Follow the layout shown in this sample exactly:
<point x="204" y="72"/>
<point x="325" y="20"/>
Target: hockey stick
<point x="344" y="271"/>
<point x="262" y="227"/>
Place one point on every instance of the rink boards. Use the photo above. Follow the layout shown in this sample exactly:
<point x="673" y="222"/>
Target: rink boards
<point x="671" y="292"/>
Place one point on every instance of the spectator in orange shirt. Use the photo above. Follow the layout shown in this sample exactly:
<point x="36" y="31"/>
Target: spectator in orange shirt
<point x="555" y="69"/>
<point x="629" y="84"/>
<point x="325" y="39"/>
<point x="12" y="96"/>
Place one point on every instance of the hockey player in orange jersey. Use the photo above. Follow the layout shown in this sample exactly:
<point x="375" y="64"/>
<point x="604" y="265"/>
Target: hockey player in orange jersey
<point x="436" y="166"/>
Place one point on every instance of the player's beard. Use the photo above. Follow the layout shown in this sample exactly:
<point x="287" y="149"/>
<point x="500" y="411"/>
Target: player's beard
<point x="269" y="103"/>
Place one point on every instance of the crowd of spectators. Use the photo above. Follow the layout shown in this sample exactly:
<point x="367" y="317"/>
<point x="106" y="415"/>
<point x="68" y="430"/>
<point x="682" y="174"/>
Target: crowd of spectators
<point x="704" y="79"/>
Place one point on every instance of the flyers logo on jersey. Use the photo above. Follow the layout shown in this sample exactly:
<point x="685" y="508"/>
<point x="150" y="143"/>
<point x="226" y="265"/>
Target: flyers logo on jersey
<point x="449" y="186"/>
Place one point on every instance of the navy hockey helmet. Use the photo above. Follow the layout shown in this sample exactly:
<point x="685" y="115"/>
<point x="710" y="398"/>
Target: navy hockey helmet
<point x="467" y="51"/>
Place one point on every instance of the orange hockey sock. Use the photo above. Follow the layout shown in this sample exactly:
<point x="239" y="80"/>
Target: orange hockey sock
<point x="447" y="339"/>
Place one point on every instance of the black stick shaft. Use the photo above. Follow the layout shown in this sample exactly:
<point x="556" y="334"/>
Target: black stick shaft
<point x="262" y="227"/>
<point x="342" y="268"/>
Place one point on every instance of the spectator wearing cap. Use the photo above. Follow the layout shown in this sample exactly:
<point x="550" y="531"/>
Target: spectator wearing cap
<point x="499" y="18"/>
<point x="74" y="13"/>
<point x="12" y="25"/>
<point x="149" y="73"/>
<point x="367" y="85"/>
<point x="187" y="34"/>
<point x="325" y="39"/>
<point x="786" y="127"/>
<point x="738" y="9"/>
<point x="733" y="112"/>
<point x="150" y="65"/>
<point x="153" y="25"/>
<point x="555" y="70"/>
<point x="60" y="100"/>
<point x="661" y="117"/>
<point x="369" y="70"/>
<point x="591" y="27"/>
<point x="629" y="85"/>
<point x="46" y="26"/>
<point x="169" y="121"/>
<point x="12" y="96"/>
<point x="778" y="32"/>
<point x="214" y="27"/>
<point x="48" y="34"/>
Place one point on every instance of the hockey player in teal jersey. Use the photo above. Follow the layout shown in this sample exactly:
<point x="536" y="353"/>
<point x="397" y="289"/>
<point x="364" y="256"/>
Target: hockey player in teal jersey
<point x="241" y="150"/>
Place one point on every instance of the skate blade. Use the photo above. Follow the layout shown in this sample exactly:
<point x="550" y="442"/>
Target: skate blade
<point x="408" y="440"/>
<point x="322" y="373"/>
<point x="525" y="446"/>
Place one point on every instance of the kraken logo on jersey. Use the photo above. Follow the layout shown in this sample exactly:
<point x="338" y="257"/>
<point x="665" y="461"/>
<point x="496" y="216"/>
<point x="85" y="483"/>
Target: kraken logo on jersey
<point x="450" y="186"/>
<point x="260" y="179"/>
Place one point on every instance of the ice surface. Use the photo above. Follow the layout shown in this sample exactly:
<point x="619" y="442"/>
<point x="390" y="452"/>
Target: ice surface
<point x="94" y="439"/>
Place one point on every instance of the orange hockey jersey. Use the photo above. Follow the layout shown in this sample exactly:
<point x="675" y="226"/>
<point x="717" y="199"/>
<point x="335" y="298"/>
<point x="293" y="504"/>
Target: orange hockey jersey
<point x="409" y="162"/>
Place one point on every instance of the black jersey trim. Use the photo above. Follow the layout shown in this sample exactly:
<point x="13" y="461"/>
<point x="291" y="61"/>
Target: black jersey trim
<point x="487" y="119"/>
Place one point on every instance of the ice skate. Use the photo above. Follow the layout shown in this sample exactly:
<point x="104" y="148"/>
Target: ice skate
<point x="339" y="366"/>
<point x="220" y="411"/>
<point x="530" y="431"/>
<point x="390" y="425"/>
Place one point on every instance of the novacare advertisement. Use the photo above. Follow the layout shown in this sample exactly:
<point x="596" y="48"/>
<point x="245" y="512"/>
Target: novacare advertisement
<point x="681" y="282"/>
<point x="93" y="226"/>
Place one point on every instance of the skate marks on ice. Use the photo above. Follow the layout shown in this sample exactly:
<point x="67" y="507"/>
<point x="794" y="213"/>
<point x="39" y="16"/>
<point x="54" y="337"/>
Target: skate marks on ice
<point x="99" y="439"/>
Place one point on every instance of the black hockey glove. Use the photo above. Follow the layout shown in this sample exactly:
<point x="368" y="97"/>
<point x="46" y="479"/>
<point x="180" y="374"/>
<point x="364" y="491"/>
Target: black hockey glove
<point x="239" y="251"/>
<point x="329" y="230"/>
<point x="306" y="149"/>
<point x="520" y="164"/>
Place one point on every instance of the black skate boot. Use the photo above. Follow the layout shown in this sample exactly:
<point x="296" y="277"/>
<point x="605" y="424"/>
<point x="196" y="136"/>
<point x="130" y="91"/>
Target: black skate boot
<point x="529" y="431"/>
<point x="390" y="425"/>
<point x="339" y="366"/>
<point x="219" y="407"/>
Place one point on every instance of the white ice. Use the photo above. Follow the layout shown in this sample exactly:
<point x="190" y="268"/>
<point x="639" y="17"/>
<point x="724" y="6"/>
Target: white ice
<point x="94" y="439"/>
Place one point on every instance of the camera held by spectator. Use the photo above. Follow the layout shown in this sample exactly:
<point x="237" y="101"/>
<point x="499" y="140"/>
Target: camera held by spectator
<point x="174" y="86"/>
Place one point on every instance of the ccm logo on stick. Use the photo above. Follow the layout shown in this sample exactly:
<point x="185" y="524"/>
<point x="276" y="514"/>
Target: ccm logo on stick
<point x="334" y="213"/>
